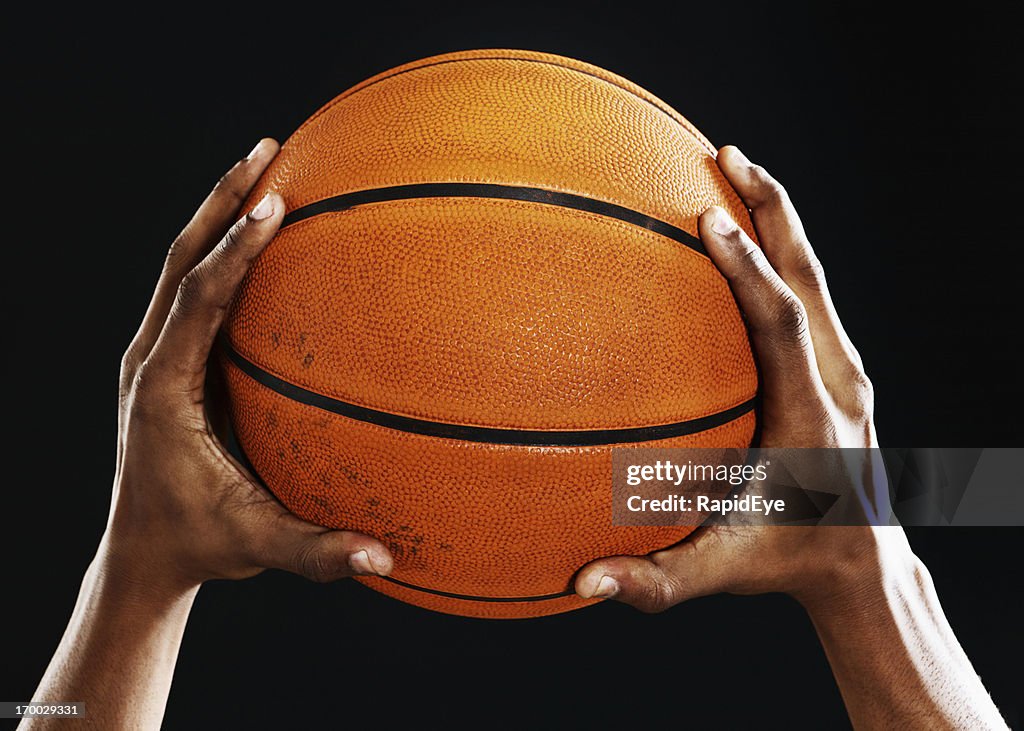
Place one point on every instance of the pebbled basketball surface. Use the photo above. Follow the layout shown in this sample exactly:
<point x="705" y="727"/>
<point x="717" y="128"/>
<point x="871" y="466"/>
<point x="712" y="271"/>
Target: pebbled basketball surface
<point x="487" y="278"/>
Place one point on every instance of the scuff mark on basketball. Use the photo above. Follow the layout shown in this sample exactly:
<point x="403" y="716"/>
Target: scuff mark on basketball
<point x="354" y="477"/>
<point x="320" y="500"/>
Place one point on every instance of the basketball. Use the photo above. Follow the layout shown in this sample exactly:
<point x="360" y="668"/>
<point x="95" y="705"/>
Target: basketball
<point x="488" y="277"/>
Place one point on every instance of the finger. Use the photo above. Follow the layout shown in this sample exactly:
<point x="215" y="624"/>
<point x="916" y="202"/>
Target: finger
<point x="656" y="582"/>
<point x="208" y="226"/>
<point x="776" y="318"/>
<point x="275" y="538"/>
<point x="785" y="243"/>
<point x="321" y="554"/>
<point x="202" y="298"/>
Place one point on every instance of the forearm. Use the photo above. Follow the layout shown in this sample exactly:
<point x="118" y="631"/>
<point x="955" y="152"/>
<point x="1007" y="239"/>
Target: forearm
<point x="118" y="652"/>
<point x="894" y="655"/>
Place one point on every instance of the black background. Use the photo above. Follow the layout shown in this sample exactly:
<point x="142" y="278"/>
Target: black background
<point x="896" y="137"/>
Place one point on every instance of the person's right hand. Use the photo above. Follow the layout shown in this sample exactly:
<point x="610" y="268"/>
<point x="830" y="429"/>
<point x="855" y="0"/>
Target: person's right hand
<point x="183" y="509"/>
<point x="815" y="394"/>
<point x="894" y="656"/>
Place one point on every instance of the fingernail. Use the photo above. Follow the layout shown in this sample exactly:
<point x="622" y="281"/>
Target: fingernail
<point x="263" y="209"/>
<point x="360" y="563"/>
<point x="381" y="563"/>
<point x="604" y="588"/>
<point x="255" y="151"/>
<point x="723" y="224"/>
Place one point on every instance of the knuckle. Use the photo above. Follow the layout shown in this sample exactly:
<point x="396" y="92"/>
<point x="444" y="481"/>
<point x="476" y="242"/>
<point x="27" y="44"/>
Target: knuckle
<point x="790" y="316"/>
<point x="313" y="566"/>
<point x="862" y="393"/>
<point x="178" y="253"/>
<point x="128" y="372"/>
<point x="193" y="291"/>
<point x="233" y="238"/>
<point x="769" y="188"/>
<point x="659" y="595"/>
<point x="141" y="389"/>
<point x="231" y="252"/>
<point x="227" y="187"/>
<point x="147" y="375"/>
<point x="232" y="243"/>
<point x="810" y="273"/>
<point x="752" y="260"/>
<point x="130" y="361"/>
<point x="143" y="378"/>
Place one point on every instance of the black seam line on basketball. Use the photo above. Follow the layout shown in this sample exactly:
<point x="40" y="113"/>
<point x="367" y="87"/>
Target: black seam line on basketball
<point x="663" y="109"/>
<point x="493" y="191"/>
<point x="472" y="598"/>
<point x="240" y="454"/>
<point x="242" y="457"/>
<point x="488" y="435"/>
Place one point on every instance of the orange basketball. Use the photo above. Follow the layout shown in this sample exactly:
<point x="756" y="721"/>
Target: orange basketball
<point x="488" y="277"/>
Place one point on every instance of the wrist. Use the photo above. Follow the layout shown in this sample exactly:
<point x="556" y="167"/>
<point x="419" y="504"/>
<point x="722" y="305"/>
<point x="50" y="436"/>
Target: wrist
<point x="135" y="579"/>
<point x="862" y="567"/>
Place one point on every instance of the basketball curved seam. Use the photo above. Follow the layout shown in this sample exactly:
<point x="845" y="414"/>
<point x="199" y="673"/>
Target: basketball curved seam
<point x="241" y="455"/>
<point x="494" y="191"/>
<point x="483" y="434"/>
<point x="653" y="101"/>
<point x="474" y="598"/>
<point x="247" y="463"/>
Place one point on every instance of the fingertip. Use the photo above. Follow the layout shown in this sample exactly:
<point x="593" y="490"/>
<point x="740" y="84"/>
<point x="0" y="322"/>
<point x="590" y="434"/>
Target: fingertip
<point x="380" y="560"/>
<point x="732" y="158"/>
<point x="264" y="150"/>
<point x="751" y="181"/>
<point x="705" y="219"/>
<point x="721" y="236"/>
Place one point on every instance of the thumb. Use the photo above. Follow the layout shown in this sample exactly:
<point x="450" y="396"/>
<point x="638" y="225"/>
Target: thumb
<point x="321" y="554"/>
<point x="655" y="582"/>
